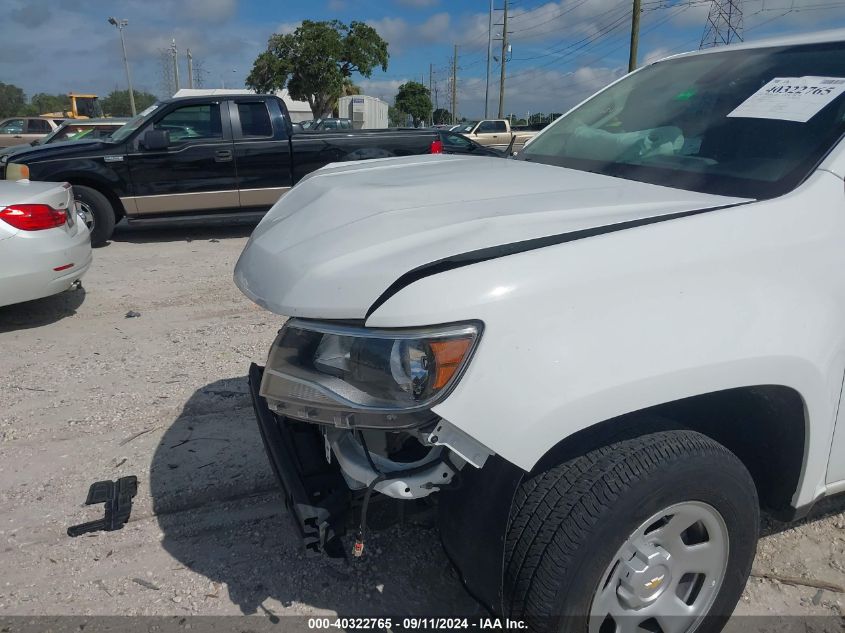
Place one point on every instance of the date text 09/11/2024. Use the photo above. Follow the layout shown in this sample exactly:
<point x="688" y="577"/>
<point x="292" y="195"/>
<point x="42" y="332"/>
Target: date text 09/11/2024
<point x="417" y="623"/>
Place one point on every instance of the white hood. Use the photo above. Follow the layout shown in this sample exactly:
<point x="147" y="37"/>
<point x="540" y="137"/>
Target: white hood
<point x="343" y="235"/>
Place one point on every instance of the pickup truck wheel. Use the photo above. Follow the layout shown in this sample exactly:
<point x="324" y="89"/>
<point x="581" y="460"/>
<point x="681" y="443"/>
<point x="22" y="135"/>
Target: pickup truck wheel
<point x="97" y="213"/>
<point x="652" y="533"/>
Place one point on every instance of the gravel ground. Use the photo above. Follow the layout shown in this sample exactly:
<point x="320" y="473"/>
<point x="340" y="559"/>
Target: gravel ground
<point x="88" y="394"/>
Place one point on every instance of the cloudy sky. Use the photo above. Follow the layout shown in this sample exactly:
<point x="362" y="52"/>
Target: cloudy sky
<point x="561" y="51"/>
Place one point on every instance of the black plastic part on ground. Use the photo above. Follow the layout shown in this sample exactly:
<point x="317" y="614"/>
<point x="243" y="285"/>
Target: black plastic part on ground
<point x="315" y="492"/>
<point x="473" y="522"/>
<point x="117" y="495"/>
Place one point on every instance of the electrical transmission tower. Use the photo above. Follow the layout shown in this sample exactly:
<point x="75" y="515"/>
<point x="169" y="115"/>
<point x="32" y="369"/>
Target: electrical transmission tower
<point x="724" y="23"/>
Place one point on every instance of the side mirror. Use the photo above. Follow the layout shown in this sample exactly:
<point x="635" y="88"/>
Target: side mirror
<point x="296" y="128"/>
<point x="156" y="140"/>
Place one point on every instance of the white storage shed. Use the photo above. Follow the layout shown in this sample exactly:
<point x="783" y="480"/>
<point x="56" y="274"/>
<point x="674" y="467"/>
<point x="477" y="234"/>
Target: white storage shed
<point x="366" y="113"/>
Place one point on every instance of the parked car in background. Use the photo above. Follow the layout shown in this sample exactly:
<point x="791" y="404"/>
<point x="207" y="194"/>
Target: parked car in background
<point x="454" y="143"/>
<point x="71" y="130"/>
<point x="23" y="129"/>
<point x="496" y="133"/>
<point x="45" y="247"/>
<point x="602" y="359"/>
<point x="327" y="124"/>
<point x="203" y="159"/>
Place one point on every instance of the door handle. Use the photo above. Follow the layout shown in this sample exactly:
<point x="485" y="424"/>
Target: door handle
<point x="222" y="155"/>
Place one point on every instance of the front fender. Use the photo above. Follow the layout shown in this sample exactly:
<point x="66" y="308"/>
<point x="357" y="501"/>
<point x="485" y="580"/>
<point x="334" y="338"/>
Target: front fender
<point x="91" y="171"/>
<point x="582" y="332"/>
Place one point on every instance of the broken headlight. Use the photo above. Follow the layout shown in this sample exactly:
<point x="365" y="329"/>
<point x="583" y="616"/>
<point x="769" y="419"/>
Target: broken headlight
<point x="364" y="369"/>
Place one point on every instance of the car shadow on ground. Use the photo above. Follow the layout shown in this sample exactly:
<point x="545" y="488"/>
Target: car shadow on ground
<point x="41" y="312"/>
<point x="821" y="510"/>
<point x="182" y="233"/>
<point x="221" y="514"/>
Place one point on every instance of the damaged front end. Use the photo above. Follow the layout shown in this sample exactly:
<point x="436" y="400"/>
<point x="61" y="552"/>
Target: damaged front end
<point x="346" y="411"/>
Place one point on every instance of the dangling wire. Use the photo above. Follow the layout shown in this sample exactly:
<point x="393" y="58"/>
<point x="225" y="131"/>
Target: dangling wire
<point x="358" y="548"/>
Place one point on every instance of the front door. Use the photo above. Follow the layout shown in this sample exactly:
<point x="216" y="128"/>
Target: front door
<point x="492" y="133"/>
<point x="195" y="173"/>
<point x="836" y="464"/>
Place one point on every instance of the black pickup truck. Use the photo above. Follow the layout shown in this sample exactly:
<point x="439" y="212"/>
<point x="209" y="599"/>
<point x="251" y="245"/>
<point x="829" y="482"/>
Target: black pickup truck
<point x="207" y="159"/>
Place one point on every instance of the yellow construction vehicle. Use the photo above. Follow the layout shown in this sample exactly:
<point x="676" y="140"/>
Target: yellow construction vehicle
<point x="82" y="106"/>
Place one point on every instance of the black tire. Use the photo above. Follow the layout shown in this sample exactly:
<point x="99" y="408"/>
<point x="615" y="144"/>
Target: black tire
<point x="568" y="523"/>
<point x="102" y="210"/>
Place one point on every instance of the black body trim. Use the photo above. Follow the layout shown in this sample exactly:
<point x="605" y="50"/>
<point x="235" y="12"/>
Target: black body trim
<point x="514" y="248"/>
<point x="315" y="492"/>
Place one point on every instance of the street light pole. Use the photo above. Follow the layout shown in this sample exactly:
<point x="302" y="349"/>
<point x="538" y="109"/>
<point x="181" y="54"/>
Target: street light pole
<point x="120" y="24"/>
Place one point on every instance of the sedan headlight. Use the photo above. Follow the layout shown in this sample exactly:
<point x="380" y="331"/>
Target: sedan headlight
<point x="342" y="371"/>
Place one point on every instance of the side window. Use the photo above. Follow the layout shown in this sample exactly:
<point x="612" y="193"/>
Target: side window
<point x="12" y="126"/>
<point x="491" y="127"/>
<point x="193" y="122"/>
<point x="455" y="142"/>
<point x="38" y="126"/>
<point x="499" y="126"/>
<point x="255" y="119"/>
<point x="346" y="125"/>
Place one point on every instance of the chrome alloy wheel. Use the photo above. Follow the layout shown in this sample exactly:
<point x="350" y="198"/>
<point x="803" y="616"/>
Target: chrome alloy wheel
<point x="666" y="576"/>
<point x="86" y="213"/>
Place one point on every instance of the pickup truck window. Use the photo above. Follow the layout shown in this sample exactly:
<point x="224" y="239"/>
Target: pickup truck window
<point x="38" y="126"/>
<point x="255" y="119"/>
<point x="492" y="127"/>
<point x="668" y="124"/>
<point x="192" y="122"/>
<point x="13" y="126"/>
<point x="134" y="123"/>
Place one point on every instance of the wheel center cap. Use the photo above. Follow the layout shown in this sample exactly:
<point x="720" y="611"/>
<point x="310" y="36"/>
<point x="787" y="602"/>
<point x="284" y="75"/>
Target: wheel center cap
<point x="644" y="576"/>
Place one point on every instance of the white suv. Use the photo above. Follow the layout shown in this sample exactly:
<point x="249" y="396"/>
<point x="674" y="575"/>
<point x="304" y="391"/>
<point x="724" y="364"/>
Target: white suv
<point x="601" y="359"/>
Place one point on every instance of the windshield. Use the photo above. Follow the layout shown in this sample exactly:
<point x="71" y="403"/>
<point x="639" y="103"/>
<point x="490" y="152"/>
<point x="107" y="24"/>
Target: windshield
<point x="679" y="123"/>
<point x="134" y="123"/>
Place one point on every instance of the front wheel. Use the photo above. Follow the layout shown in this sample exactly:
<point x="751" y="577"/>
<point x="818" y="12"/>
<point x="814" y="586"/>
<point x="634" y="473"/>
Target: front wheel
<point x="96" y="212"/>
<point x="655" y="533"/>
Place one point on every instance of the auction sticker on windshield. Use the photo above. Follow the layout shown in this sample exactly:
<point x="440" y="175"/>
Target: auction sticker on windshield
<point x="791" y="98"/>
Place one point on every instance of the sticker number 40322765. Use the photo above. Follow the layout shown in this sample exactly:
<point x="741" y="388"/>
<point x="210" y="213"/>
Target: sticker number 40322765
<point x="791" y="98"/>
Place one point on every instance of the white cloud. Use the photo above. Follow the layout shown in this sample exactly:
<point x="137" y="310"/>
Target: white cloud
<point x="285" y="28"/>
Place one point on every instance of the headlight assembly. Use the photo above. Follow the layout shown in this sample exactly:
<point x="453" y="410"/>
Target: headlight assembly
<point x="356" y="376"/>
<point x="14" y="171"/>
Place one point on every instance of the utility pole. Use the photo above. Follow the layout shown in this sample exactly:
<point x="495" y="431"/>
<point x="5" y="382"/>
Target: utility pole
<point x="504" y="60"/>
<point x="430" y="76"/>
<point x="455" y="86"/>
<point x="635" y="36"/>
<point x="175" y="54"/>
<point x="120" y="24"/>
<point x="489" y="57"/>
<point x="190" y="68"/>
<point x="724" y="23"/>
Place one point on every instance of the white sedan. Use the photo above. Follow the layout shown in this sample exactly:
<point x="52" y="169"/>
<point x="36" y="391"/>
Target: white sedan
<point x="45" y="248"/>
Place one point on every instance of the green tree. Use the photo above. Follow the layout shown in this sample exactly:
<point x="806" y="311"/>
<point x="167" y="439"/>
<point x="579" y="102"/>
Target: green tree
<point x="441" y="116"/>
<point x="317" y="60"/>
<point x="43" y="103"/>
<point x="12" y="100"/>
<point x="396" y="118"/>
<point x="117" y="102"/>
<point x="414" y="98"/>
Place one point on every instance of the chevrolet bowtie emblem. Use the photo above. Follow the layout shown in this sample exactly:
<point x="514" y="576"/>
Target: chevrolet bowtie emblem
<point x="654" y="583"/>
